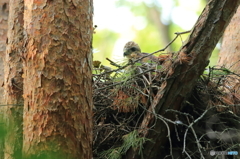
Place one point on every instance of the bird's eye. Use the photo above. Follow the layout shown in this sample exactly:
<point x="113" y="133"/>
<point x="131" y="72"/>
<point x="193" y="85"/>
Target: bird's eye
<point x="133" y="49"/>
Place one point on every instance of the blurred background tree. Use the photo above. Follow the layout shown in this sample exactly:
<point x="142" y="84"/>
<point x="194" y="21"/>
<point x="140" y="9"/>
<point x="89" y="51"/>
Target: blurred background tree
<point x="150" y="23"/>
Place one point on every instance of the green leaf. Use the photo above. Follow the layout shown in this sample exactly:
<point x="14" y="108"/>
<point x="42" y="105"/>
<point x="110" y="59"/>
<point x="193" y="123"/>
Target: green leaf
<point x="138" y="64"/>
<point x="159" y="67"/>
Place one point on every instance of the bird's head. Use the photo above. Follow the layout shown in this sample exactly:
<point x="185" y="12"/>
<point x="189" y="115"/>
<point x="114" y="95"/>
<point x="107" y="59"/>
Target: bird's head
<point x="131" y="49"/>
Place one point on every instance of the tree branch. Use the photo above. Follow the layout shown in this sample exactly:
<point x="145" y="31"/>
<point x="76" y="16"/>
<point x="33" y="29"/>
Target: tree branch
<point x="192" y="59"/>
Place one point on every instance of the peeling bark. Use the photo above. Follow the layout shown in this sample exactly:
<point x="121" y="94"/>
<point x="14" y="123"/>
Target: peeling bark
<point x="13" y="82"/>
<point x="192" y="59"/>
<point x="58" y="79"/>
<point x="4" y="9"/>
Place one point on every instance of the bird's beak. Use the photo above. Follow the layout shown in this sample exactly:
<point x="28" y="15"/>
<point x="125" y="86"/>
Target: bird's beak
<point x="126" y="52"/>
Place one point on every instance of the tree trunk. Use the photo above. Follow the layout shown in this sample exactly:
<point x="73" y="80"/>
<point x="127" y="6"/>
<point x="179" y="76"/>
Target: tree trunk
<point x="4" y="7"/>
<point x="13" y="83"/>
<point x="58" y="79"/>
<point x="229" y="55"/>
<point x="191" y="61"/>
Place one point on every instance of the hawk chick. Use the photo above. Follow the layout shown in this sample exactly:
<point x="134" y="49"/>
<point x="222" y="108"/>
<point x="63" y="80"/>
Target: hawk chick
<point x="132" y="51"/>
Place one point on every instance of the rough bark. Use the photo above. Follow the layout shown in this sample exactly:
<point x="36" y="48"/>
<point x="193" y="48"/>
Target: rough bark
<point x="13" y="82"/>
<point x="229" y="55"/>
<point x="58" y="79"/>
<point x="191" y="61"/>
<point x="4" y="8"/>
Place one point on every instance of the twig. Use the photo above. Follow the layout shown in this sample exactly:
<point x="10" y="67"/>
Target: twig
<point x="197" y="141"/>
<point x="177" y="34"/>
<point x="113" y="63"/>
<point x="126" y="80"/>
<point x="11" y="105"/>
<point x="176" y="111"/>
<point x="190" y="126"/>
<point x="133" y="62"/>
<point x="169" y="136"/>
<point x="107" y="136"/>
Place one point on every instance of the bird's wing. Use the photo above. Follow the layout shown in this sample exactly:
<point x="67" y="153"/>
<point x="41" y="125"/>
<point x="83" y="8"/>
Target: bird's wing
<point x="150" y="57"/>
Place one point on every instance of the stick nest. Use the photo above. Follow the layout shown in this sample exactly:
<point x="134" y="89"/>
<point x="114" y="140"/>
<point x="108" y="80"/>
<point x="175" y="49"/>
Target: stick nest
<point x="208" y="119"/>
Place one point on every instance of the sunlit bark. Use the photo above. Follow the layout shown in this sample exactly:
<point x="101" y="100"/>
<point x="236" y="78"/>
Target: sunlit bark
<point x="4" y="8"/>
<point x="58" y="79"/>
<point x="13" y="82"/>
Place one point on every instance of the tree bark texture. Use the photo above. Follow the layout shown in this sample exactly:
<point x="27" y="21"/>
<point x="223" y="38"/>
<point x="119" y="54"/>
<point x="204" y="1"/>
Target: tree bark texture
<point x="4" y="9"/>
<point x="190" y="63"/>
<point x="13" y="82"/>
<point x="229" y="55"/>
<point x="58" y="79"/>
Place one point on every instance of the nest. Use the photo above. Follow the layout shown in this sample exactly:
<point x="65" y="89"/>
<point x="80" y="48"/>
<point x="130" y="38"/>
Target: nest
<point x="122" y="96"/>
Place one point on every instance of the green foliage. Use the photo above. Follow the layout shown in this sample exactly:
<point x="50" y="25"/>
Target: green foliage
<point x="103" y="43"/>
<point x="214" y="57"/>
<point x="2" y="131"/>
<point x="216" y="73"/>
<point x="173" y="28"/>
<point x="124" y="76"/>
<point x="131" y="140"/>
<point x="159" y="67"/>
<point x="149" y="37"/>
<point x="111" y="153"/>
<point x="219" y="71"/>
<point x="138" y="64"/>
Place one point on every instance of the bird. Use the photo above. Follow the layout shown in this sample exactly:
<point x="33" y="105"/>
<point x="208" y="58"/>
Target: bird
<point x="132" y="51"/>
